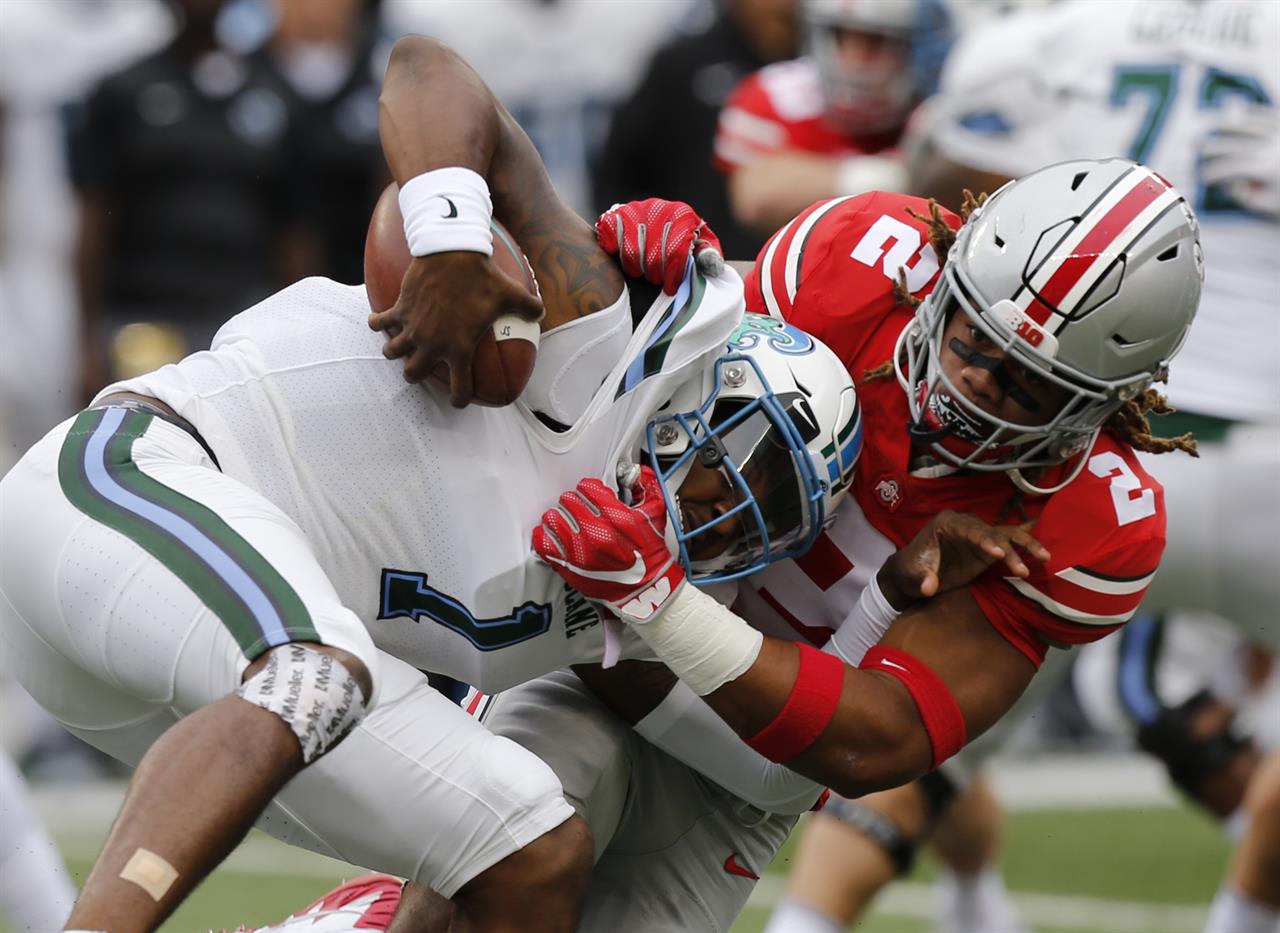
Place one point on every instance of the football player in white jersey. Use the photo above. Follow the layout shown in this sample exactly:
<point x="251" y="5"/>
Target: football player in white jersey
<point x="228" y="572"/>
<point x="1190" y="88"/>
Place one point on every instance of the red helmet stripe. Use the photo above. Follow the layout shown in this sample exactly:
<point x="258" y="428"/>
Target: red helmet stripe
<point x="1096" y="245"/>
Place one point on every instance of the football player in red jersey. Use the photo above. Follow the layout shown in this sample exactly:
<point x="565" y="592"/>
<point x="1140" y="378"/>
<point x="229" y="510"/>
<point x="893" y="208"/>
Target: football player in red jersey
<point x="829" y="123"/>
<point x="1017" y="390"/>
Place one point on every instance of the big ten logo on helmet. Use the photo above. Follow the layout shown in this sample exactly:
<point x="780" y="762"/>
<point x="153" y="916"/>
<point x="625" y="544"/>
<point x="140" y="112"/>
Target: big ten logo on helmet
<point x="1016" y="320"/>
<point x="779" y="335"/>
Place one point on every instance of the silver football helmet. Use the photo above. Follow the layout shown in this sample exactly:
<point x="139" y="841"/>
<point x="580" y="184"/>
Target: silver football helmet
<point x="778" y="416"/>
<point x="860" y="99"/>
<point x="1087" y="273"/>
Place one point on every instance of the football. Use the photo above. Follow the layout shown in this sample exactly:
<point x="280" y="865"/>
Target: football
<point x="504" y="358"/>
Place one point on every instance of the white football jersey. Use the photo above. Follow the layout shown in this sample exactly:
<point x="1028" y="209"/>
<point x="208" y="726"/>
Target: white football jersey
<point x="421" y="514"/>
<point x="1153" y="81"/>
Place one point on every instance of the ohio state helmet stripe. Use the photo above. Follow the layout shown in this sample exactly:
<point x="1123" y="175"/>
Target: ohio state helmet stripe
<point x="1094" y="245"/>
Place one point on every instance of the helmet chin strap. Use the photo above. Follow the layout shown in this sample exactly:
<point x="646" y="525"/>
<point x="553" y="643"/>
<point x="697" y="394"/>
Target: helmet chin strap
<point x="1031" y="489"/>
<point x="922" y="433"/>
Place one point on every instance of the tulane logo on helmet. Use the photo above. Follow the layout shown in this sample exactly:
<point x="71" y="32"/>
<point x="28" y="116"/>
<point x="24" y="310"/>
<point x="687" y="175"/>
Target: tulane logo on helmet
<point x="778" y="335"/>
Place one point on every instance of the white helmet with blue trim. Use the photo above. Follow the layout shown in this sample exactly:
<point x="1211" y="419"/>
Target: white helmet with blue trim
<point x="777" y="415"/>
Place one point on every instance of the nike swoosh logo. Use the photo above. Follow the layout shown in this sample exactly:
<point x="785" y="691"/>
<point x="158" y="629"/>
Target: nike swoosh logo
<point x="885" y="662"/>
<point x="732" y="867"/>
<point x="633" y="574"/>
<point x="453" y="208"/>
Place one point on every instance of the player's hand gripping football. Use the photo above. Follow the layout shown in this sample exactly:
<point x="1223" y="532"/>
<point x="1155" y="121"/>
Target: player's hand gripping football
<point x="612" y="552"/>
<point x="448" y="302"/>
<point x="654" y="238"/>
<point x="953" y="550"/>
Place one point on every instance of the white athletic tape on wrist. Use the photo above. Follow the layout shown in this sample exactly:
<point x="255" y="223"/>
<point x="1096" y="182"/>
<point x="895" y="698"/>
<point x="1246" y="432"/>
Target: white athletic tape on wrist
<point x="704" y="643"/>
<point x="150" y="872"/>
<point x="447" y="209"/>
<point x="312" y="692"/>
<point x="864" y="626"/>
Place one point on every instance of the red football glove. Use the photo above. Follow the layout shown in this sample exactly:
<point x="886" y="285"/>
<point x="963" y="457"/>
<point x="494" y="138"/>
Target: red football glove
<point x="611" y="552"/>
<point x="653" y="240"/>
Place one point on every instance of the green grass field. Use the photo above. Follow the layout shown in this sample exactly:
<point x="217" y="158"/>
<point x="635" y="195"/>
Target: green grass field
<point x="1122" y="870"/>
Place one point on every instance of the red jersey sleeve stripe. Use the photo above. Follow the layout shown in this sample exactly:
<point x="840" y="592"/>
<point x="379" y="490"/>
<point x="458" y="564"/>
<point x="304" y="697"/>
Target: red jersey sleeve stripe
<point x="780" y="264"/>
<point x="1113" y="612"/>
<point x="1102" y="583"/>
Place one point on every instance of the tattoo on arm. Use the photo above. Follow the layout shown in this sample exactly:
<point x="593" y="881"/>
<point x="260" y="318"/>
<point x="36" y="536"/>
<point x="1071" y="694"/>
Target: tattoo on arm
<point x="575" y="275"/>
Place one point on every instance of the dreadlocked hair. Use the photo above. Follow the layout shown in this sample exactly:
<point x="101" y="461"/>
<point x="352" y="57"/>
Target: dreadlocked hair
<point x="1129" y="424"/>
<point x="941" y="237"/>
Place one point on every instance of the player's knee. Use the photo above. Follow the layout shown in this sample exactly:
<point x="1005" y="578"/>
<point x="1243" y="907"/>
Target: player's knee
<point x="320" y="692"/>
<point x="898" y="845"/>
<point x="553" y="869"/>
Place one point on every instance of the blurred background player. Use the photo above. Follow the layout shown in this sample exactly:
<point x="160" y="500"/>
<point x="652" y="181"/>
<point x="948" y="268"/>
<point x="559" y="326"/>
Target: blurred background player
<point x="829" y="123"/>
<point x="241" y="156"/>
<point x="1191" y="88"/>
<point x="679" y="97"/>
<point x="331" y="57"/>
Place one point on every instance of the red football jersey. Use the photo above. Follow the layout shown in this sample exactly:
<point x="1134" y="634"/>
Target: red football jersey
<point x="780" y="107"/>
<point x="831" y="271"/>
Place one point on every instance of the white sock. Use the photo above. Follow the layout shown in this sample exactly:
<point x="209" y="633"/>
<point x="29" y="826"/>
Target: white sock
<point x="977" y="903"/>
<point x="1234" y="912"/>
<point x="35" y="892"/>
<point x="794" y="917"/>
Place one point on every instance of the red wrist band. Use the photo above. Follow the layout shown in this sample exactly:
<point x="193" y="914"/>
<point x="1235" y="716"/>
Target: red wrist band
<point x="809" y="708"/>
<point x="938" y="708"/>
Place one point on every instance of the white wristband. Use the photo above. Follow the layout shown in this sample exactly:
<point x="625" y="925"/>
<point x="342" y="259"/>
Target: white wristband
<point x="704" y="643"/>
<point x="857" y="174"/>
<point x="447" y="209"/>
<point x="864" y="626"/>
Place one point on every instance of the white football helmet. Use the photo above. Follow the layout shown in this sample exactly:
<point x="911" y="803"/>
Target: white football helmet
<point x="1088" y="273"/>
<point x="778" y="416"/>
<point x="860" y="99"/>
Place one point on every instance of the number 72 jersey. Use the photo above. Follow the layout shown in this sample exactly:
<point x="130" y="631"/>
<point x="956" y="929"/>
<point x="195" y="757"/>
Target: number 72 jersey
<point x="831" y="272"/>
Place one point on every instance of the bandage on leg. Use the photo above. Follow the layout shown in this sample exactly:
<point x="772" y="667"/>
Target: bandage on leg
<point x="149" y="872"/>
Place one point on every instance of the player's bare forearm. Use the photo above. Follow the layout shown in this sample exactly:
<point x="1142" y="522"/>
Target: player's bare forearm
<point x="767" y="192"/>
<point x="631" y="689"/>
<point x="877" y="738"/>
<point x="435" y="111"/>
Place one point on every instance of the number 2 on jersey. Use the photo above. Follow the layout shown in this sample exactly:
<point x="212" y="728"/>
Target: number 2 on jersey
<point x="905" y="253"/>
<point x="1124" y="482"/>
